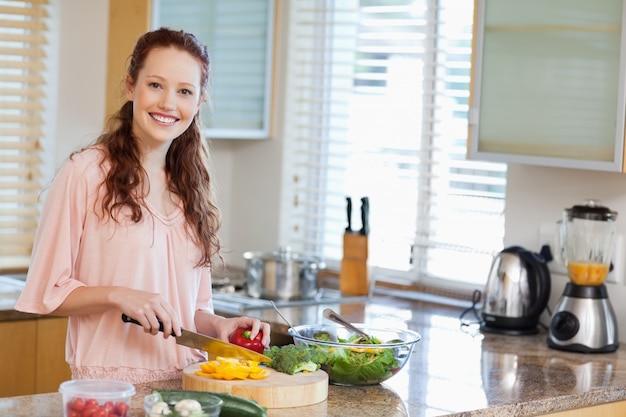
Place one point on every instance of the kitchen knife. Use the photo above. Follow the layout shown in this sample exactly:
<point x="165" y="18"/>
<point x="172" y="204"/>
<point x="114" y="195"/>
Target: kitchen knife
<point x="365" y="214"/>
<point x="349" y="212"/>
<point x="209" y="344"/>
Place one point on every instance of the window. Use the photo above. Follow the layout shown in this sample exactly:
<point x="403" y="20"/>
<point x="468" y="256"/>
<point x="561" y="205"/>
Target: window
<point x="23" y="41"/>
<point x="377" y="106"/>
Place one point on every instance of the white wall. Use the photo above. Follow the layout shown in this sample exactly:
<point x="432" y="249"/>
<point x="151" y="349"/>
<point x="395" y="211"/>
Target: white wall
<point x="81" y="73"/>
<point x="538" y="195"/>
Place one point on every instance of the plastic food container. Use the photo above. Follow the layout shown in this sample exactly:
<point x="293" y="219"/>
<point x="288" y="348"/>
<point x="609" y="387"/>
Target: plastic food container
<point x="89" y="396"/>
<point x="211" y="406"/>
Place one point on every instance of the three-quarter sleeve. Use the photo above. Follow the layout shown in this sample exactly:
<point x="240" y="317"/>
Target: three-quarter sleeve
<point x="51" y="272"/>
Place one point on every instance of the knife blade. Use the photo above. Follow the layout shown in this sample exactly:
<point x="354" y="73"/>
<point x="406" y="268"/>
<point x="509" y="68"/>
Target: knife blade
<point x="209" y="344"/>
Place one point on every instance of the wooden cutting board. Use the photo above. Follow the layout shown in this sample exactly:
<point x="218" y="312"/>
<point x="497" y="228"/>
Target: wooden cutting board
<point x="277" y="390"/>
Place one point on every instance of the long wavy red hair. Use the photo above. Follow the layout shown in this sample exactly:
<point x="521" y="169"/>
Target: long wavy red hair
<point x="187" y="160"/>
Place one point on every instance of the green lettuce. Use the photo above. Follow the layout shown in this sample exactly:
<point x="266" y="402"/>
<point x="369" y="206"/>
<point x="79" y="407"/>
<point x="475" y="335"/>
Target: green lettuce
<point x="350" y="366"/>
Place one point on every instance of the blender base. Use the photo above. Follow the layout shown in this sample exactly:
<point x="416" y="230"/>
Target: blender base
<point x="576" y="347"/>
<point x="584" y="321"/>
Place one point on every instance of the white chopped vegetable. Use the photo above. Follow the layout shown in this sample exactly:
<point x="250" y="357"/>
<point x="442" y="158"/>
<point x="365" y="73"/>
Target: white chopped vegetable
<point x="186" y="407"/>
<point x="160" y="409"/>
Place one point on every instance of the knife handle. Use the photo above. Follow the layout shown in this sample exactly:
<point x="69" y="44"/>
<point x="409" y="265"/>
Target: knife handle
<point x="365" y="210"/>
<point x="349" y="213"/>
<point x="127" y="319"/>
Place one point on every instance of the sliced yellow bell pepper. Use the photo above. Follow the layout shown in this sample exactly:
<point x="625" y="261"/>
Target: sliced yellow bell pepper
<point x="231" y="369"/>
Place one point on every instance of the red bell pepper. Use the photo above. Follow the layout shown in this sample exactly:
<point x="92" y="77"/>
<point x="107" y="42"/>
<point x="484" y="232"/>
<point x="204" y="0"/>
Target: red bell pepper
<point x="241" y="337"/>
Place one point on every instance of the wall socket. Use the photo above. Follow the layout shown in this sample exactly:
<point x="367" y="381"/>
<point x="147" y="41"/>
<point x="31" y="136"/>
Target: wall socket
<point x="548" y="235"/>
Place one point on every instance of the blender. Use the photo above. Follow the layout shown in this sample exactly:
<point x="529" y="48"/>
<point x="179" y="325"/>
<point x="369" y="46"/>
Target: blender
<point x="584" y="320"/>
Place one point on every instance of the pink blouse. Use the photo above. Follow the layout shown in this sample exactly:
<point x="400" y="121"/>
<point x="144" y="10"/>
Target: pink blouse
<point x="76" y="246"/>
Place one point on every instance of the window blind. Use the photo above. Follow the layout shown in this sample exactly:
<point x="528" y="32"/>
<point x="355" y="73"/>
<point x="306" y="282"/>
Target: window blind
<point x="238" y="34"/>
<point x="23" y="39"/>
<point x="377" y="106"/>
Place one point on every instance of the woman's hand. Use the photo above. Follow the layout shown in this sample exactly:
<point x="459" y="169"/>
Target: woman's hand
<point x="255" y="326"/>
<point x="148" y="309"/>
<point x="145" y="307"/>
<point x="222" y="327"/>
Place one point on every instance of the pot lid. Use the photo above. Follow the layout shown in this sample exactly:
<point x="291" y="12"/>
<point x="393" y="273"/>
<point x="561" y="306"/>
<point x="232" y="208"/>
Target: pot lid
<point x="591" y="210"/>
<point x="283" y="254"/>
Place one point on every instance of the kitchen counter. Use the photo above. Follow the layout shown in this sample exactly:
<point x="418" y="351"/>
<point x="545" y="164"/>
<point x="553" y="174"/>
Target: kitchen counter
<point x="454" y="370"/>
<point x="342" y="402"/>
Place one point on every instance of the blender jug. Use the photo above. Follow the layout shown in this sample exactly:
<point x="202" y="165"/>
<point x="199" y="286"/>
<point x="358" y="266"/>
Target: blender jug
<point x="587" y="234"/>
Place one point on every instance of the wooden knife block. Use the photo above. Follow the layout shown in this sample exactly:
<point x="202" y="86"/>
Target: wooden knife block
<point x="354" y="273"/>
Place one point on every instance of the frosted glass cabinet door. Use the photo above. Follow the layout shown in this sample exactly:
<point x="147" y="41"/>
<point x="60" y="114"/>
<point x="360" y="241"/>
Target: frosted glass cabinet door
<point x="548" y="83"/>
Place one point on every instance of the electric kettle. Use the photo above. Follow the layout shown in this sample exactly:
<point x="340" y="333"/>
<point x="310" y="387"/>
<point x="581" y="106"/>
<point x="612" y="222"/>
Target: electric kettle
<point x="516" y="293"/>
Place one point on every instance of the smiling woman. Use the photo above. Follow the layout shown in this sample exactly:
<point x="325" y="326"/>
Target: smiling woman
<point x="129" y="226"/>
<point x="166" y="96"/>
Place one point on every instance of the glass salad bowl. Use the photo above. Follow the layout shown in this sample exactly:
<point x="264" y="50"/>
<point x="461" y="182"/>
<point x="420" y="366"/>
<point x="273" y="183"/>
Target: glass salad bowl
<point x="352" y="360"/>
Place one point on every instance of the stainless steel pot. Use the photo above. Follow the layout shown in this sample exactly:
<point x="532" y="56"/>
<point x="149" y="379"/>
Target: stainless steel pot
<point x="281" y="274"/>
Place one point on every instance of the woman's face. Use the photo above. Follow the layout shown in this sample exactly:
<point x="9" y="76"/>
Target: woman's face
<point x="166" y="96"/>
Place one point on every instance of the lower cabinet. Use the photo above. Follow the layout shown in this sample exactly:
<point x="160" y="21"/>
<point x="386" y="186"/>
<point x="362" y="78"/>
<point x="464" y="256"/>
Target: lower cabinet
<point x="615" y="409"/>
<point x="32" y="356"/>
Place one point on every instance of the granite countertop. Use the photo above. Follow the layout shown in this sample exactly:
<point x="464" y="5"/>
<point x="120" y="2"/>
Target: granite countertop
<point x="454" y="370"/>
<point x="342" y="402"/>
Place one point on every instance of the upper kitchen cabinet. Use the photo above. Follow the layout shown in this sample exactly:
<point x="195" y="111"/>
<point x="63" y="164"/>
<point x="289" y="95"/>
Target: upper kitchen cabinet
<point x="548" y="83"/>
<point x="240" y="36"/>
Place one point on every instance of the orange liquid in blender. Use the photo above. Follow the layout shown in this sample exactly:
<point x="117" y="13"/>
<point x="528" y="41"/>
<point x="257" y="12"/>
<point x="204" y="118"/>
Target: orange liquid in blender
<point x="587" y="273"/>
